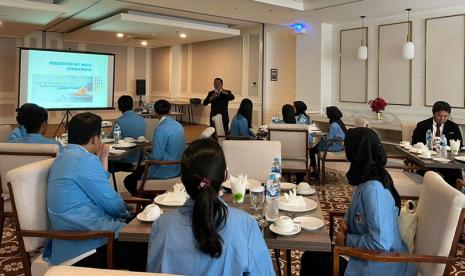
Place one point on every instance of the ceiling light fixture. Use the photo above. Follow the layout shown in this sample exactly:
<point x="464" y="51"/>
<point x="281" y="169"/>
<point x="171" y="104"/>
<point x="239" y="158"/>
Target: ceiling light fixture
<point x="143" y="43"/>
<point x="120" y="35"/>
<point x="409" y="48"/>
<point x="362" y="52"/>
<point x="182" y="35"/>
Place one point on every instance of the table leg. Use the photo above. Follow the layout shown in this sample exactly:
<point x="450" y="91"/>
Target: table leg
<point x="288" y="262"/>
<point x="278" y="265"/>
<point x="113" y="176"/>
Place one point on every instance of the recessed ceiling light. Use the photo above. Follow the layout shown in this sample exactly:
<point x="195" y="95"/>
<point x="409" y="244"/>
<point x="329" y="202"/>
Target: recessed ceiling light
<point x="182" y="35"/>
<point x="120" y="35"/>
<point x="143" y="43"/>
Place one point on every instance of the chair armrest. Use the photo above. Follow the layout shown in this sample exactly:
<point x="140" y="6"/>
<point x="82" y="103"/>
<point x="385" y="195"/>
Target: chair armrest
<point x="333" y="214"/>
<point x="76" y="235"/>
<point x="138" y="200"/>
<point x="397" y="157"/>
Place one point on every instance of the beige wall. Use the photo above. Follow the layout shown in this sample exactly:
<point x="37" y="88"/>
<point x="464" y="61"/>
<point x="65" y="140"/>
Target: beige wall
<point x="280" y="45"/>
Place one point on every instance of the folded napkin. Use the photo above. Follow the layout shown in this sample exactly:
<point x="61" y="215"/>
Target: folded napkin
<point x="179" y="194"/>
<point x="454" y="145"/>
<point x="239" y="185"/>
<point x="293" y="200"/>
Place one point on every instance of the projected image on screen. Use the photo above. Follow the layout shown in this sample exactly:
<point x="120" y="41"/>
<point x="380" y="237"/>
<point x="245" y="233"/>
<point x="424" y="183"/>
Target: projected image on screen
<point x="66" y="80"/>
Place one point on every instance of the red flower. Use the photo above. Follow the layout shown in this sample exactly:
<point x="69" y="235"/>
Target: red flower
<point x="377" y="105"/>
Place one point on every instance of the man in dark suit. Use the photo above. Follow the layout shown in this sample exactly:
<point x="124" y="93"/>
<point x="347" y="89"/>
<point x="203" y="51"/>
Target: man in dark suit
<point x="440" y="125"/>
<point x="219" y="100"/>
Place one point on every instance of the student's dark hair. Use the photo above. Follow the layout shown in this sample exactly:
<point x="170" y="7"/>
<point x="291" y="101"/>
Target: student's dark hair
<point x="33" y="118"/>
<point x="288" y="114"/>
<point x="125" y="103"/>
<point x="22" y="111"/>
<point x="83" y="127"/>
<point x="245" y="110"/>
<point x="203" y="170"/>
<point x="218" y="79"/>
<point x="441" y="106"/>
<point x="162" y="107"/>
<point x="300" y="108"/>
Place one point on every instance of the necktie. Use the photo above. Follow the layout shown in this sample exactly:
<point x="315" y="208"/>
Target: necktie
<point x="438" y="130"/>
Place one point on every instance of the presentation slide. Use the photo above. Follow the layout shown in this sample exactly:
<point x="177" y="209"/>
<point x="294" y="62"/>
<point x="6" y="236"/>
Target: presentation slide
<point x="66" y="80"/>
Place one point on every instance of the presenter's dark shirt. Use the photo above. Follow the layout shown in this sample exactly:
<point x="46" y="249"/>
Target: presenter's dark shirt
<point x="219" y="105"/>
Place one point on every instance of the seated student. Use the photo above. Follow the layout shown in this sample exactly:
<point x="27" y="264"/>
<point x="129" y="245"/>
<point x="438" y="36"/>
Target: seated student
<point x="440" y="125"/>
<point x="300" y="116"/>
<point x="206" y="236"/>
<point x="168" y="144"/>
<point x="371" y="221"/>
<point x="241" y="125"/>
<point x="288" y="115"/>
<point x="131" y="125"/>
<point x="19" y="131"/>
<point x="337" y="132"/>
<point x="79" y="197"/>
<point x="35" y="121"/>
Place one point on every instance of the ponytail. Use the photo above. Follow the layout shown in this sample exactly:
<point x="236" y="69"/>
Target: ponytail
<point x="209" y="215"/>
<point x="203" y="170"/>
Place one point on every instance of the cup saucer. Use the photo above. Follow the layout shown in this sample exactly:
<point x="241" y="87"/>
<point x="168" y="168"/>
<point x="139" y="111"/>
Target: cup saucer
<point x="296" y="230"/>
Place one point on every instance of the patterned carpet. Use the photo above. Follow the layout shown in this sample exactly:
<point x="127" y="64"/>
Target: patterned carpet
<point x="334" y="196"/>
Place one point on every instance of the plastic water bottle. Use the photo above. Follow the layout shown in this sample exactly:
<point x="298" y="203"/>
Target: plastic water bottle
<point x="429" y="139"/>
<point x="272" y="196"/>
<point x="116" y="133"/>
<point x="276" y="166"/>
<point x="443" y="147"/>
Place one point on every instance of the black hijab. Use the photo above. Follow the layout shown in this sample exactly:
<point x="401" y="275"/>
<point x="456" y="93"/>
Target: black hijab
<point x="300" y="108"/>
<point x="334" y="116"/>
<point x="288" y="114"/>
<point x="368" y="159"/>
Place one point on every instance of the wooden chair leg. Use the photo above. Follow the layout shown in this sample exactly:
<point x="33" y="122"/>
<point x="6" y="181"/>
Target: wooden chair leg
<point x="114" y="181"/>
<point x="323" y="172"/>
<point x="2" y="224"/>
<point x="288" y="262"/>
<point x="278" y="265"/>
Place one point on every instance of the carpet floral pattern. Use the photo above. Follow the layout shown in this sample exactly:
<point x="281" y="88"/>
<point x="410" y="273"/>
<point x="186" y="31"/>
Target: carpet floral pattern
<point x="335" y="195"/>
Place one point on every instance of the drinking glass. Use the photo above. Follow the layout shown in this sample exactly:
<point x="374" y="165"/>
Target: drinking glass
<point x="257" y="198"/>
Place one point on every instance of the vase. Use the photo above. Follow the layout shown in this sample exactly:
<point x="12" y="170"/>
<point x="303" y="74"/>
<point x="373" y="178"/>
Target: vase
<point x="379" y="116"/>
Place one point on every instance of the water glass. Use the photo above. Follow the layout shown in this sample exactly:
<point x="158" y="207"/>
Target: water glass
<point x="257" y="198"/>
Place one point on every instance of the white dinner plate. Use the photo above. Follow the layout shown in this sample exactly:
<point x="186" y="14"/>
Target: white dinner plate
<point x="252" y="183"/>
<point x="309" y="223"/>
<point x="306" y="192"/>
<point x="460" y="158"/>
<point x="441" y="160"/>
<point x="295" y="231"/>
<point x="124" y="145"/>
<point x="160" y="201"/>
<point x="142" y="217"/>
<point x="309" y="205"/>
<point x="287" y="186"/>
<point x="108" y="140"/>
<point x="424" y="157"/>
<point x="141" y="140"/>
<point x="116" y="151"/>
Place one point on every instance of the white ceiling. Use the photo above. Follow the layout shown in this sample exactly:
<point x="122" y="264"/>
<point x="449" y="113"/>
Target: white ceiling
<point x="238" y="14"/>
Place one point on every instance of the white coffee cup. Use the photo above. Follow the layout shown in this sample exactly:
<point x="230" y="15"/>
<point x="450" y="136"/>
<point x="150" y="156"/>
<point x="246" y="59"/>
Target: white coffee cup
<point x="141" y="138"/>
<point x="285" y="224"/>
<point x="419" y="145"/>
<point x="129" y="139"/>
<point x="152" y="212"/>
<point x="426" y="154"/>
<point x="303" y="187"/>
<point x="405" y="143"/>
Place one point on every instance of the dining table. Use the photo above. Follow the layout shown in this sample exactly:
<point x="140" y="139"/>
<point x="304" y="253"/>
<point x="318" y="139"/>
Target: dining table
<point x="431" y="164"/>
<point x="315" y="240"/>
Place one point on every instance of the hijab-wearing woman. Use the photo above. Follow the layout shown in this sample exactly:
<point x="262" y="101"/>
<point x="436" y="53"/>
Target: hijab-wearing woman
<point x="205" y="236"/>
<point x="241" y="125"/>
<point x="336" y="134"/>
<point x="288" y="115"/>
<point x="371" y="220"/>
<point x="301" y="116"/>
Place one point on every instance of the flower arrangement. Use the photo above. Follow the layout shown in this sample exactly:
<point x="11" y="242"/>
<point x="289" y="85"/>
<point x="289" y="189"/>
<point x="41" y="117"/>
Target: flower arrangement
<point x="377" y="105"/>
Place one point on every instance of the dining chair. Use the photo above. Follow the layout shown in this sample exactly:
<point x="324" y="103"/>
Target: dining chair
<point x="441" y="214"/>
<point x="84" y="271"/>
<point x="28" y="189"/>
<point x="407" y="130"/>
<point x="13" y="155"/>
<point x="150" y="125"/>
<point x="207" y="133"/>
<point x="253" y="158"/>
<point x="325" y="156"/>
<point x="219" y="127"/>
<point x="151" y="187"/>
<point x="294" y="146"/>
<point x="5" y="131"/>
